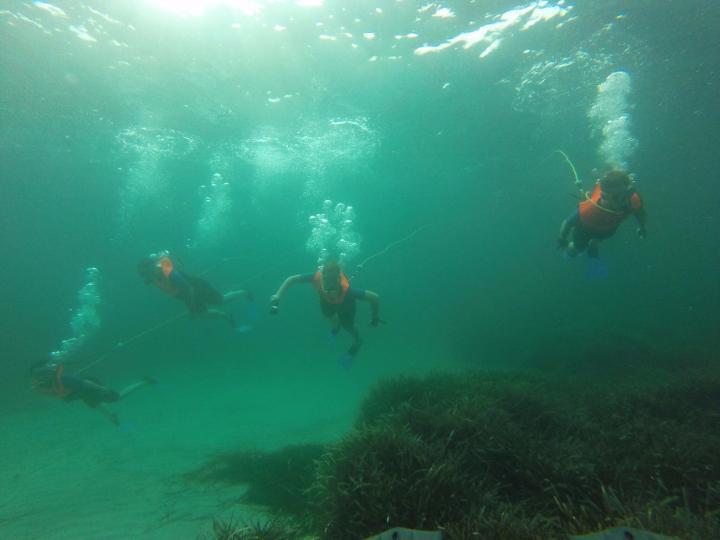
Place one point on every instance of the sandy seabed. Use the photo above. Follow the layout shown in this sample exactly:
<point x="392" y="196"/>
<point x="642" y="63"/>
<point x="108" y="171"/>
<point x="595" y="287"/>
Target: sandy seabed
<point x="68" y="472"/>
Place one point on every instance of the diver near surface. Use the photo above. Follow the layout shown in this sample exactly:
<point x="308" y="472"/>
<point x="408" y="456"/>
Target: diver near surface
<point x="50" y="379"/>
<point x="337" y="302"/>
<point x="159" y="270"/>
<point x="596" y="218"/>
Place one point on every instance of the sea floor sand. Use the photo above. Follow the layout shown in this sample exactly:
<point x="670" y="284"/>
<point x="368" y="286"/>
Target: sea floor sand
<point x="69" y="473"/>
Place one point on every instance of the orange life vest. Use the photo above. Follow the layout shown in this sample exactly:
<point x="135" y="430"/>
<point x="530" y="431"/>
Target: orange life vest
<point x="330" y="299"/>
<point x="58" y="387"/>
<point x="166" y="265"/>
<point x="597" y="218"/>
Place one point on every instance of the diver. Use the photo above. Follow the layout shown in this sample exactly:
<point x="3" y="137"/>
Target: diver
<point x="337" y="302"/>
<point x="159" y="270"/>
<point x="596" y="218"/>
<point x="50" y="379"/>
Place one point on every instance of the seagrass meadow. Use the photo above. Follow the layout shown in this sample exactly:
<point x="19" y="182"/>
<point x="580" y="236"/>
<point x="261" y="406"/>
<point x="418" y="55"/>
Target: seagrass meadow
<point x="503" y="455"/>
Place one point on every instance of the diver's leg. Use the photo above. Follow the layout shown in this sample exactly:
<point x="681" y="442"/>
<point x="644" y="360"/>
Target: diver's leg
<point x="346" y="360"/>
<point x="330" y="312"/>
<point x="94" y="393"/>
<point x="218" y="314"/>
<point x="113" y="417"/>
<point x="335" y="324"/>
<point x="234" y="295"/>
<point x="571" y="250"/>
<point x="347" y="321"/>
<point x="594" y="248"/>
<point x="353" y="331"/>
<point x="579" y="241"/>
<point x="596" y="267"/>
<point x="250" y="309"/>
<point x="134" y="386"/>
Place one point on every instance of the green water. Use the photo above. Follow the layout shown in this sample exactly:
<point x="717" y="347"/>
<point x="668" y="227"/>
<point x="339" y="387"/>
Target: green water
<point x="114" y="117"/>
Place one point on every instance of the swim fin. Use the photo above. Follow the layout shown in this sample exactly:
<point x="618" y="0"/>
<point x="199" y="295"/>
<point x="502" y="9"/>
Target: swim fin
<point x="251" y="311"/>
<point x="596" y="268"/>
<point x="346" y="361"/>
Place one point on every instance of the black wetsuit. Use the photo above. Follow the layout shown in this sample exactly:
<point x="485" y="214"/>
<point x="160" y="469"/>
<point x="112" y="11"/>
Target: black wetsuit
<point x="195" y="292"/>
<point x="92" y="393"/>
<point x="346" y="309"/>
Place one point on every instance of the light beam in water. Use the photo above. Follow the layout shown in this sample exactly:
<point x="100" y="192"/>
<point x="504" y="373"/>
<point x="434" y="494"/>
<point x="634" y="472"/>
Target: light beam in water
<point x="198" y="8"/>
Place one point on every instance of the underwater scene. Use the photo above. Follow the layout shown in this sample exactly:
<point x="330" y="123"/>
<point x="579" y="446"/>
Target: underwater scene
<point x="353" y="269"/>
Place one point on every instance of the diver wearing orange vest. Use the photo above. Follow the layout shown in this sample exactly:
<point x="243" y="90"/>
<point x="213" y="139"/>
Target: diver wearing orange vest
<point x="159" y="270"/>
<point x="50" y="379"/>
<point x="337" y="302"/>
<point x="597" y="217"/>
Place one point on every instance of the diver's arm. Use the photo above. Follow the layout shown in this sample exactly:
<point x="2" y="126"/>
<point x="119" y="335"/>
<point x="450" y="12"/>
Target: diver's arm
<point x="374" y="300"/>
<point x="565" y="228"/>
<point x="564" y="232"/>
<point x="93" y="386"/>
<point x="292" y="280"/>
<point x="640" y="217"/>
<point x="275" y="298"/>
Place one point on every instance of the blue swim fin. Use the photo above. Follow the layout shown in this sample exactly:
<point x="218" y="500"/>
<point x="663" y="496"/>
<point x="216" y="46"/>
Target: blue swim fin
<point x="333" y="336"/>
<point x="346" y="360"/>
<point x="250" y="316"/>
<point x="251" y="311"/>
<point x="596" y="268"/>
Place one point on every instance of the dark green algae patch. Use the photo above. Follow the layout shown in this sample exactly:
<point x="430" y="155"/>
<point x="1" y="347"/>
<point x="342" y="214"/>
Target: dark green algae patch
<point x="503" y="455"/>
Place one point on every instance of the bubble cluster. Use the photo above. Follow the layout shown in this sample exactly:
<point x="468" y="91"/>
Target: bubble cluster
<point x="334" y="149"/>
<point x="611" y="118"/>
<point x="146" y="180"/>
<point x="215" y="211"/>
<point x="553" y="86"/>
<point x="555" y="81"/>
<point x="333" y="234"/>
<point x="270" y="153"/>
<point x="315" y="154"/>
<point x="85" y="320"/>
<point x="156" y="141"/>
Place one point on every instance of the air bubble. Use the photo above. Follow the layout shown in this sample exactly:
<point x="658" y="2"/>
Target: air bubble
<point x="333" y="234"/>
<point x="612" y="120"/>
<point x="85" y="320"/>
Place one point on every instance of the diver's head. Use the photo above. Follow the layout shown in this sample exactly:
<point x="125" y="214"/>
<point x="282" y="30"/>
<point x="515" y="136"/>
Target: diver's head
<point x="148" y="269"/>
<point x="616" y="183"/>
<point x="331" y="277"/>
<point x="42" y="373"/>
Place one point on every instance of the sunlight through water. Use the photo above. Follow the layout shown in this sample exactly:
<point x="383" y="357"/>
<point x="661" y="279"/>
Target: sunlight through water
<point x="197" y="8"/>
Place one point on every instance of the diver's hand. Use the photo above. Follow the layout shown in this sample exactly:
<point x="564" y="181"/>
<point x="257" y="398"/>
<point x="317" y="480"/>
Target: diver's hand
<point x="376" y="321"/>
<point x="274" y="304"/>
<point x="642" y="233"/>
